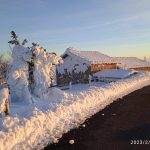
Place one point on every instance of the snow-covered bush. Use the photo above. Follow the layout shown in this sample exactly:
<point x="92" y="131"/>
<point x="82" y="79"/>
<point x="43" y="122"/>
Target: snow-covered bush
<point x="43" y="70"/>
<point x="30" y="75"/>
<point x="18" y="74"/>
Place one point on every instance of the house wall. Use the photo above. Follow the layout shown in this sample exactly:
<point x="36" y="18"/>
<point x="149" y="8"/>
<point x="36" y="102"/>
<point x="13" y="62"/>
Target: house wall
<point x="142" y="69"/>
<point x="98" y="67"/>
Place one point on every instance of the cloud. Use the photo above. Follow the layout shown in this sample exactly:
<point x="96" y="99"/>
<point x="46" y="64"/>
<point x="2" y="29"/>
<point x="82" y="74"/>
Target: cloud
<point x="79" y="28"/>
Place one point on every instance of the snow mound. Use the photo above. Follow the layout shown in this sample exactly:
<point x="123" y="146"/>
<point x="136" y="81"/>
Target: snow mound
<point x="47" y="127"/>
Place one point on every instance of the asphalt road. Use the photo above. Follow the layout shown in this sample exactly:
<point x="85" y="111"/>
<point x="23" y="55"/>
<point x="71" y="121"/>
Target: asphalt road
<point x="123" y="125"/>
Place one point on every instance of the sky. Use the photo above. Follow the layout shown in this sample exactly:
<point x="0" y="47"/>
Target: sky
<point x="113" y="27"/>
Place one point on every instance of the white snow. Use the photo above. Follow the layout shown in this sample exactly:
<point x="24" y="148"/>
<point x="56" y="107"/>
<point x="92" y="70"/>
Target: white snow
<point x="43" y="71"/>
<point x="92" y="57"/>
<point x="77" y="88"/>
<point x="148" y="60"/>
<point x="115" y="73"/>
<point x="84" y="125"/>
<point x="131" y="62"/>
<point x="21" y="89"/>
<point x="36" y="125"/>
<point x="18" y="75"/>
<point x="40" y="115"/>
<point x="80" y="60"/>
<point x="71" y="141"/>
<point x="73" y="63"/>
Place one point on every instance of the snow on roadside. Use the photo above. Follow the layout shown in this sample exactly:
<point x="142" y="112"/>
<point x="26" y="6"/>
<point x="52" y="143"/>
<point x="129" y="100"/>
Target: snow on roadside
<point x="114" y="73"/>
<point x="47" y="127"/>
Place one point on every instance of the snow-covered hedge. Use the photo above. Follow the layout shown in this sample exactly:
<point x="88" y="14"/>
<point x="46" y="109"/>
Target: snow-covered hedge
<point x="47" y="127"/>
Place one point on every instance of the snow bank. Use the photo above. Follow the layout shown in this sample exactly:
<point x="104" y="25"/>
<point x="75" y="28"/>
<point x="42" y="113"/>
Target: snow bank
<point x="47" y="127"/>
<point x="113" y="73"/>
